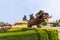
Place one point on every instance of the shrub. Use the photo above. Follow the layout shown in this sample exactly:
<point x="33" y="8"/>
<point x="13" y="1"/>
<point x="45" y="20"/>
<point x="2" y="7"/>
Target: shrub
<point x="44" y="23"/>
<point x="3" y="30"/>
<point x="30" y="34"/>
<point x="42" y="35"/>
<point x="15" y="30"/>
<point x="52" y="34"/>
<point x="19" y="29"/>
<point x="27" y="35"/>
<point x="58" y="25"/>
<point x="10" y="30"/>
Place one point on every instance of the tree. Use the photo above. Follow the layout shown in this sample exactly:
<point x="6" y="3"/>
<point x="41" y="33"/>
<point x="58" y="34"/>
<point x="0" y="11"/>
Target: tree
<point x="24" y="18"/>
<point x="44" y="23"/>
<point x="59" y="20"/>
<point x="2" y="23"/>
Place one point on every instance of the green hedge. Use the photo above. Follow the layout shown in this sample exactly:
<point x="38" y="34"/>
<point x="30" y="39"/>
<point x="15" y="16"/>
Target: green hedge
<point x="44" y="23"/>
<point x="58" y="25"/>
<point x="42" y="35"/>
<point x="30" y="34"/>
<point x="27" y="35"/>
<point x="21" y="29"/>
<point x="52" y="34"/>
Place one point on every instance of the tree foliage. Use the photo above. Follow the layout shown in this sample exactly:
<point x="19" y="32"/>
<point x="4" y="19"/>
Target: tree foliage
<point x="24" y="18"/>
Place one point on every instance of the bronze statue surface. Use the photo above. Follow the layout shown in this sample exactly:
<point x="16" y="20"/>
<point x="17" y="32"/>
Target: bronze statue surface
<point x="40" y="17"/>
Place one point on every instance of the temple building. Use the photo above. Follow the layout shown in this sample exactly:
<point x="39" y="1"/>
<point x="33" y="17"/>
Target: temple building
<point x="22" y="24"/>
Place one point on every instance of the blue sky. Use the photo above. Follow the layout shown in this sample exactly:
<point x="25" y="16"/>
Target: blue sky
<point x="13" y="10"/>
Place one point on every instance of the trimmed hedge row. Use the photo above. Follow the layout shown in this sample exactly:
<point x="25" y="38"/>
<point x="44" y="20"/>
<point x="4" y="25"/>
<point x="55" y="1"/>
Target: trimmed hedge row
<point x="52" y="34"/>
<point x="42" y="35"/>
<point x="26" y="35"/>
<point x="30" y="34"/>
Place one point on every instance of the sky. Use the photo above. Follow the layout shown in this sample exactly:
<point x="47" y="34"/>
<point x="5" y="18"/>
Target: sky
<point x="13" y="10"/>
